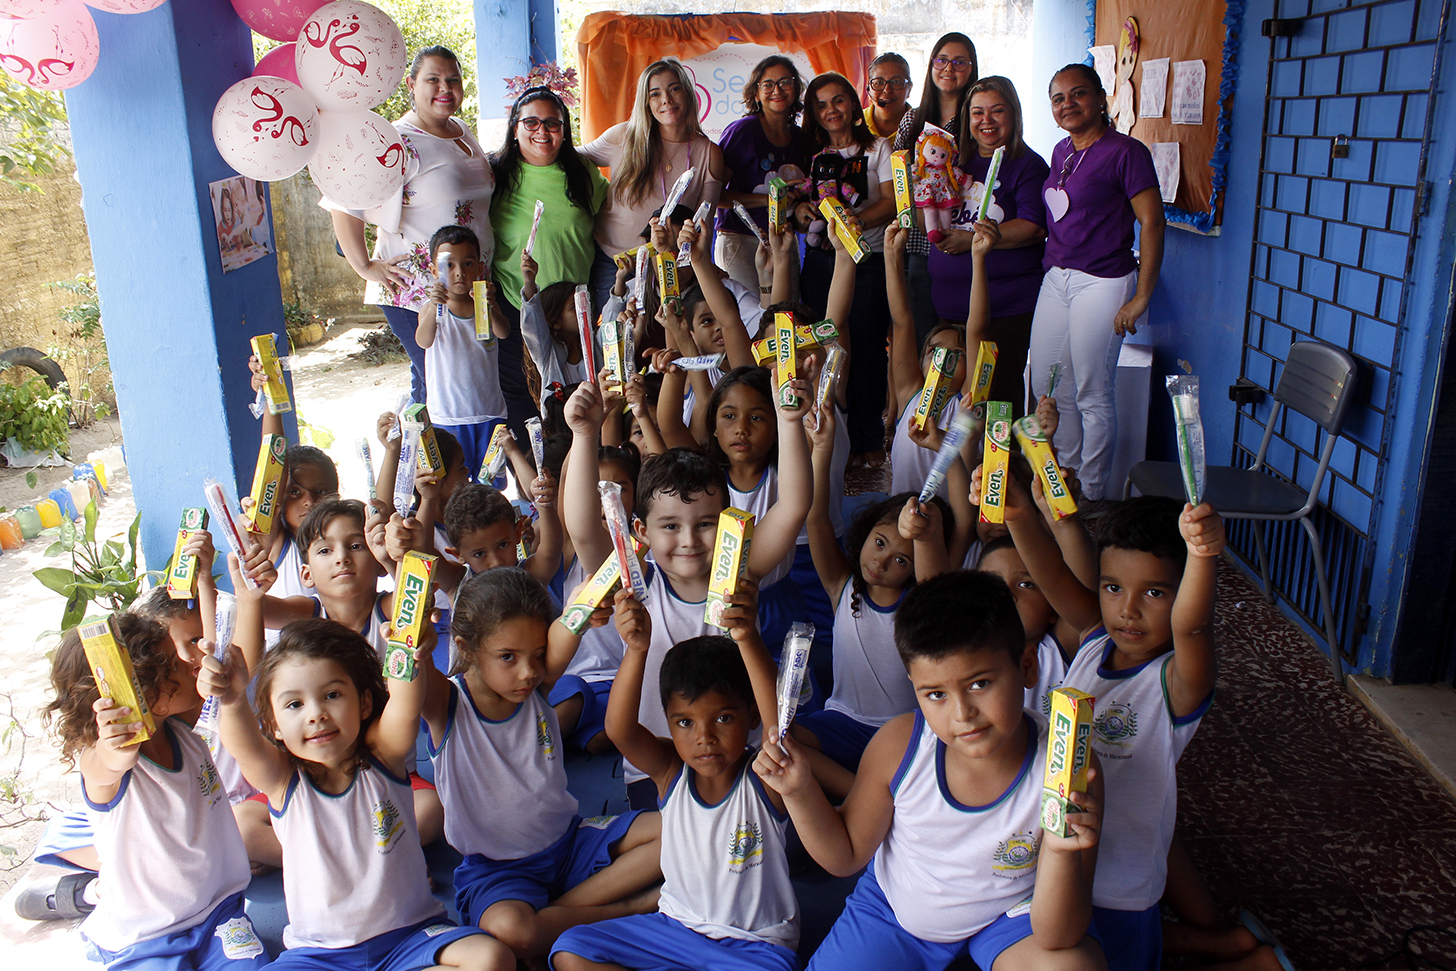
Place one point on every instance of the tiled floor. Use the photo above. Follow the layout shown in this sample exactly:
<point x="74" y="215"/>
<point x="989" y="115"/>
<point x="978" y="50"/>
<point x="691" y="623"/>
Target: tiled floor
<point x="1298" y="805"/>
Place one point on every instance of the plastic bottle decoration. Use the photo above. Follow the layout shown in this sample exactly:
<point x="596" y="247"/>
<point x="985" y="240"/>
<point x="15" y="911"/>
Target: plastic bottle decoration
<point x="11" y="537"/>
<point x="29" y="520"/>
<point x="49" y="512"/>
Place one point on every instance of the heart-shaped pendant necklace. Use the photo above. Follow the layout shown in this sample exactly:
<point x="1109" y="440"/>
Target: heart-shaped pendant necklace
<point x="1057" y="200"/>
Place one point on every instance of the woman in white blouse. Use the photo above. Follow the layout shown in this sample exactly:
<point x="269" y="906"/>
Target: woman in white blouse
<point x="447" y="182"/>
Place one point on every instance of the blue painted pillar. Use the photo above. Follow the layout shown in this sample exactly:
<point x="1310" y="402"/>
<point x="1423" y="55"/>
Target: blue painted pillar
<point x="177" y="329"/>
<point x="545" y="42"/>
<point x="502" y="50"/>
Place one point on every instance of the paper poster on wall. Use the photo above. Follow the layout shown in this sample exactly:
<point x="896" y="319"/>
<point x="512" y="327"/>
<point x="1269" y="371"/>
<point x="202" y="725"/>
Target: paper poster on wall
<point x="1104" y="62"/>
<point x="1188" y="81"/>
<point x="1155" y="88"/>
<point x="1167" y="163"/>
<point x="719" y="76"/>
<point x="240" y="211"/>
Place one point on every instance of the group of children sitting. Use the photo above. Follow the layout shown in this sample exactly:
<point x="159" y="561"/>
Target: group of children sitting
<point x="916" y="762"/>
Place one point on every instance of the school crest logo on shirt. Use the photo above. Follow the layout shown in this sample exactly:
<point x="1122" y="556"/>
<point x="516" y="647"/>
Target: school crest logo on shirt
<point x="1016" y="855"/>
<point x="388" y="825"/>
<point x="746" y="850"/>
<point x="208" y="783"/>
<point x="239" y="941"/>
<point x="544" y="738"/>
<point x="1116" y="723"/>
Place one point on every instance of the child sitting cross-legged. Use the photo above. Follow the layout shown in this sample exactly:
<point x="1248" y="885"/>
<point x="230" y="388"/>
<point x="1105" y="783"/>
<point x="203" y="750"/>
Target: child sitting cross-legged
<point x="946" y="807"/>
<point x="727" y="902"/>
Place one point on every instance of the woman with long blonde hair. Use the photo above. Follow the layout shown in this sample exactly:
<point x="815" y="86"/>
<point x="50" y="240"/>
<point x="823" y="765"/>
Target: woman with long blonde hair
<point x="647" y="153"/>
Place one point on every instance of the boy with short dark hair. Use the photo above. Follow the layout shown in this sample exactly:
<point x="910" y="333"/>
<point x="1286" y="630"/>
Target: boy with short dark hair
<point x="1147" y="655"/>
<point x="963" y="772"/>
<point x="483" y="529"/>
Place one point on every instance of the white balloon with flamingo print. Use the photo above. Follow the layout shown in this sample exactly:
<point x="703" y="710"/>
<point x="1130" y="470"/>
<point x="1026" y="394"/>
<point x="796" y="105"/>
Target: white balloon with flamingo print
<point x="265" y="127"/>
<point x="350" y="55"/>
<point x="52" y="52"/>
<point x="360" y="159"/>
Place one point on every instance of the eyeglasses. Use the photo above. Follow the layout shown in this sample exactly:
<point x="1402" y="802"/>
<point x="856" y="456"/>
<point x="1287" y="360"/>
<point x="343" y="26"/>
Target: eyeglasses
<point x="943" y="62"/>
<point x="552" y="125"/>
<point x="783" y="84"/>
<point x="896" y="84"/>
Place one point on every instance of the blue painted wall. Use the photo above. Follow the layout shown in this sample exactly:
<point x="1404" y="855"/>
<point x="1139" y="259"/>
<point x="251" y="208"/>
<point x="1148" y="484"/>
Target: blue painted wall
<point x="1199" y="306"/>
<point x="177" y="329"/>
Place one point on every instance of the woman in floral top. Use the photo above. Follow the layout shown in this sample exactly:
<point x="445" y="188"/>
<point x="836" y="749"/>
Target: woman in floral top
<point x="447" y="181"/>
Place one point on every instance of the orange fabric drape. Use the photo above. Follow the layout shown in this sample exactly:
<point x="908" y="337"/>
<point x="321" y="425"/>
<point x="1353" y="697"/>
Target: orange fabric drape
<point x="613" y="50"/>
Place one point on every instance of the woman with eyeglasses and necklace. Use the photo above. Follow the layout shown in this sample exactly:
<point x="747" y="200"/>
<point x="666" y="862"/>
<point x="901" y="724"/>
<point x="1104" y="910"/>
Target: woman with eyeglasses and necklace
<point x="953" y="68"/>
<point x="765" y="144"/>
<point x="447" y="182"/>
<point x="889" y="94"/>
<point x="990" y="120"/>
<point x="647" y="154"/>
<point x="538" y="161"/>
<point x="1101" y="182"/>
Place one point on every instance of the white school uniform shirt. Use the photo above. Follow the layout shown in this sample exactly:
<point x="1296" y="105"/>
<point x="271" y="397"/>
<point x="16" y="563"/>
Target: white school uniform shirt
<point x="759" y="500"/>
<point x="352" y="864"/>
<point x="1139" y="742"/>
<point x="870" y="683"/>
<point x="487" y="771"/>
<point x="946" y="897"/>
<point x="462" y="374"/>
<point x="674" y="620"/>
<point x="909" y="463"/>
<point x="1051" y="670"/>
<point x="973" y="556"/>
<point x="290" y="576"/>
<point x="725" y="869"/>
<point x="601" y="650"/>
<point x="169" y="845"/>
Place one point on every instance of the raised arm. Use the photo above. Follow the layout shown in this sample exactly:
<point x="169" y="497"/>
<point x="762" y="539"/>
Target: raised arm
<point x="580" y="501"/>
<point x="986" y="236"/>
<point x="1072" y="601"/>
<point x="266" y="767"/>
<point x="830" y="563"/>
<point x="775" y="535"/>
<point x="1191" y="673"/>
<point x="841" y="290"/>
<point x="393" y="735"/>
<point x="546" y="560"/>
<point x="725" y="308"/>
<point x="906" y="378"/>
<point x="654" y="756"/>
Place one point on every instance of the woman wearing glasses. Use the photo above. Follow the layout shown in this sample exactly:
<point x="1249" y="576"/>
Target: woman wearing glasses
<point x="447" y="181"/>
<point x="538" y="161"/>
<point x="952" y="70"/>
<point x="647" y="154"/>
<point x="1101" y="183"/>
<point x="889" y="97"/>
<point x="992" y="120"/>
<point x="765" y="144"/>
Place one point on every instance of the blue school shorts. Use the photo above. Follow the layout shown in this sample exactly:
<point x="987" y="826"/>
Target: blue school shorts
<point x="541" y="877"/>
<point x="867" y="935"/>
<point x="406" y="949"/>
<point x="657" y="942"/>
<point x="841" y="737"/>
<point x="1131" y="939"/>
<point x="225" y="941"/>
<point x="593" y="720"/>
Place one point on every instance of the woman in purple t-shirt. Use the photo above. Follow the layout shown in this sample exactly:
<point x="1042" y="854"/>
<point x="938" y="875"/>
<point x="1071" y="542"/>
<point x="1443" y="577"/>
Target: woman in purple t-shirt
<point x="992" y="119"/>
<point x="764" y="144"/>
<point x="1101" y="182"/>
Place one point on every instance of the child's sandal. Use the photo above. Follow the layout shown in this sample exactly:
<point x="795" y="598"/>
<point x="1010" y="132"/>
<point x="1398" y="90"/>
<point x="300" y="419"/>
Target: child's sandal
<point x="58" y="900"/>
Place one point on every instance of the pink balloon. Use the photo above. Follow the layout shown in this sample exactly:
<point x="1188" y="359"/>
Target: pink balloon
<point x="52" y="52"/>
<point x="350" y="55"/>
<point x="360" y="160"/>
<point x="278" y="19"/>
<point x="265" y="127"/>
<point x="125" y="6"/>
<point x="28" y="9"/>
<point x="278" y="63"/>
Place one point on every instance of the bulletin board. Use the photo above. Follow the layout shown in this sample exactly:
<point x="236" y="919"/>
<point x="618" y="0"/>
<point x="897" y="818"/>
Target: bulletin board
<point x="1182" y="30"/>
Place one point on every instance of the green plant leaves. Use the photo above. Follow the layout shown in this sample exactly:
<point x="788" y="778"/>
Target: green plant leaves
<point x="97" y="573"/>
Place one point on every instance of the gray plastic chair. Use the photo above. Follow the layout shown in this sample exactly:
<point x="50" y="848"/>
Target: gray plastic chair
<point x="1318" y="382"/>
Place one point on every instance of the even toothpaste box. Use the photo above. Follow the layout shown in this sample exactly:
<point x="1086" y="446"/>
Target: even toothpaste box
<point x="597" y="593"/>
<point x="265" y="348"/>
<point x="985" y="371"/>
<point x="111" y="665"/>
<point x="411" y="612"/>
<point x="1038" y="452"/>
<point x="182" y="578"/>
<point x="994" y="462"/>
<point x="937" y="388"/>
<point x="730" y="561"/>
<point x="429" y="459"/>
<point x="900" y="178"/>
<point x="1069" y="738"/>
<point x="267" y="482"/>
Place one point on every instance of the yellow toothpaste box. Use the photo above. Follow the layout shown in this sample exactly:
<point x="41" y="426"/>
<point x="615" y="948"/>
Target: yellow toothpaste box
<point x="494" y="462"/>
<point x="766" y="349"/>
<point x="667" y="280"/>
<point x="938" y="386"/>
<point x="904" y="204"/>
<point x="428" y="459"/>
<point x="276" y="391"/>
<point x="1038" y="452"/>
<point x="110" y="663"/>
<point x="838" y="217"/>
<point x="613" y="333"/>
<point x="778" y="191"/>
<point x="985" y="371"/>
<point x="995" y="458"/>
<point x="730" y="561"/>
<point x="482" y="311"/>
<point x="786" y="357"/>
<point x="1069" y="738"/>
<point x="598" y="592"/>
<point x="267" y="483"/>
<point x="182" y="578"/>
<point x="627" y="259"/>
<point x="411" y="612"/>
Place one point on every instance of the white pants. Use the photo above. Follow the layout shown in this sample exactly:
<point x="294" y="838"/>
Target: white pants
<point x="1073" y="325"/>
<point x="734" y="253"/>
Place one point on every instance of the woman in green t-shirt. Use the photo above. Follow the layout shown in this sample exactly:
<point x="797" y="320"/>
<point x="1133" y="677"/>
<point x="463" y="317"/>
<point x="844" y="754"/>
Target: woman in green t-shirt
<point x="538" y="161"/>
